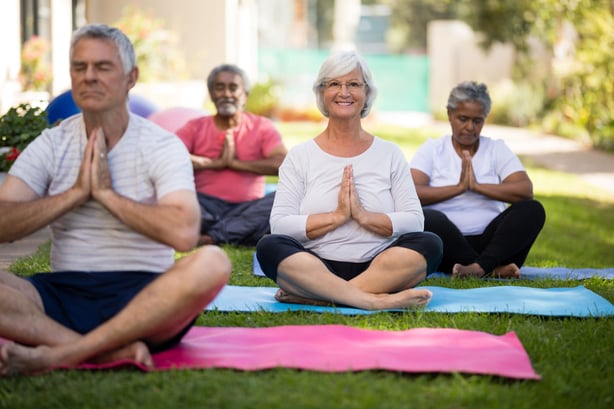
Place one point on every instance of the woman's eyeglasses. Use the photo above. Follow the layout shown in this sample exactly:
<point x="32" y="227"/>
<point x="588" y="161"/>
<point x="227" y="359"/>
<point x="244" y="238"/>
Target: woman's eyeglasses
<point x="351" y="86"/>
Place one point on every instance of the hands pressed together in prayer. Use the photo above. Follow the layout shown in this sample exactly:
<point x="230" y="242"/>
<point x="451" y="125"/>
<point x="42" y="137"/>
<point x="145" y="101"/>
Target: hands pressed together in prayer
<point x="228" y="154"/>
<point x="94" y="176"/>
<point x="467" y="177"/>
<point x="512" y="189"/>
<point x="349" y="206"/>
<point x="227" y="158"/>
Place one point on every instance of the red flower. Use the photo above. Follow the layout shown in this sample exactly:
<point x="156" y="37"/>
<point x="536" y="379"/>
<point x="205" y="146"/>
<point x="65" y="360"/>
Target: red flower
<point x="12" y="155"/>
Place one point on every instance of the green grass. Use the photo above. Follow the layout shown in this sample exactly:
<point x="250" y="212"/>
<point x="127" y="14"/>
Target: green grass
<point x="574" y="356"/>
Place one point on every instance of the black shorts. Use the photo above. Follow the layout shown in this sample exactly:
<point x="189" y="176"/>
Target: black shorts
<point x="82" y="301"/>
<point x="273" y="249"/>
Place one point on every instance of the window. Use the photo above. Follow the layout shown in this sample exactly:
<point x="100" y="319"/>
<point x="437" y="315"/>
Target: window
<point x="35" y="19"/>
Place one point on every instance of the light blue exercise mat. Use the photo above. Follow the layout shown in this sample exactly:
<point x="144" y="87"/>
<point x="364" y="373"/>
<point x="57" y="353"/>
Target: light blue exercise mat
<point x="562" y="302"/>
<point x="526" y="273"/>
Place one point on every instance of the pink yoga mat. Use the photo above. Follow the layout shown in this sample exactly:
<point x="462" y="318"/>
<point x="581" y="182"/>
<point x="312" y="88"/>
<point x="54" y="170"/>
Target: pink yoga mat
<point x="338" y="348"/>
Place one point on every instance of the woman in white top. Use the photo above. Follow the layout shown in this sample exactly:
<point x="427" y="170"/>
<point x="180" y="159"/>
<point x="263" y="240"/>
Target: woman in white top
<point x="465" y="182"/>
<point x="346" y="224"/>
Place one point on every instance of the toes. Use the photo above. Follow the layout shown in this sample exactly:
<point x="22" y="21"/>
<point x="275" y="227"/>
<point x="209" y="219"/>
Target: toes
<point x="281" y="295"/>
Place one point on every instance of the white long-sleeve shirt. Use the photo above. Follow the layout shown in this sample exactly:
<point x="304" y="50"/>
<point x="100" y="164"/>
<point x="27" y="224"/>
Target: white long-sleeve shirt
<point x="309" y="183"/>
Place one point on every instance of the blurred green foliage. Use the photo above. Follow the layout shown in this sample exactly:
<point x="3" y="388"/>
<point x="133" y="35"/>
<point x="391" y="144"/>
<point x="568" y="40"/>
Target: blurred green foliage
<point x="571" y="95"/>
<point x="262" y="99"/>
<point x="19" y="126"/>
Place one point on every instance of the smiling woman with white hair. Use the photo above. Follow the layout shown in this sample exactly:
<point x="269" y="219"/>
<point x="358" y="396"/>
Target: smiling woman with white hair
<point x="347" y="226"/>
<point x="337" y="65"/>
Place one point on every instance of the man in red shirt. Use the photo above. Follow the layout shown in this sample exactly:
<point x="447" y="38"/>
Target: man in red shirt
<point x="232" y="152"/>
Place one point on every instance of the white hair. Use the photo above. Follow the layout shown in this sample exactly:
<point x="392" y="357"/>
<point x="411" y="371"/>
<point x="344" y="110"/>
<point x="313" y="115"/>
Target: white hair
<point x="337" y="65"/>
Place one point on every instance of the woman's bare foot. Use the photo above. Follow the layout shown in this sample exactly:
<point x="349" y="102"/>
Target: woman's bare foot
<point x="472" y="270"/>
<point x="507" y="271"/>
<point x="410" y="298"/>
<point x="284" y="297"/>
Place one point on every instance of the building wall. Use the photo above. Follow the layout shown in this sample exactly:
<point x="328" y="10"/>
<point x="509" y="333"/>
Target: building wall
<point x="210" y="31"/>
<point x="61" y="31"/>
<point x="455" y="55"/>
<point x="216" y="31"/>
<point x="10" y="49"/>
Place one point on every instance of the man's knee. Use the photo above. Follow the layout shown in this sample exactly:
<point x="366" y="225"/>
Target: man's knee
<point x="12" y="282"/>
<point x="212" y="260"/>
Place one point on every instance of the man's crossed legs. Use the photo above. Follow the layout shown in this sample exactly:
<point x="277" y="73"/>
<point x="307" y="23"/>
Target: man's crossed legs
<point x="155" y="315"/>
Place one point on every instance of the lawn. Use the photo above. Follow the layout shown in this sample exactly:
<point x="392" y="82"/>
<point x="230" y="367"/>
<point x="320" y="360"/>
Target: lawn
<point x="574" y="356"/>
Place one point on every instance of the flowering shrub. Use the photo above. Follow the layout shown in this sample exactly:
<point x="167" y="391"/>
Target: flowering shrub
<point x="18" y="127"/>
<point x="35" y="73"/>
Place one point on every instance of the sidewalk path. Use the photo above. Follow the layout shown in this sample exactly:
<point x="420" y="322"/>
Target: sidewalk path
<point x="560" y="154"/>
<point x="548" y="151"/>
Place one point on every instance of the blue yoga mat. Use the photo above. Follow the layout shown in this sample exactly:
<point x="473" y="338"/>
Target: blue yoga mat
<point x="526" y="273"/>
<point x="556" y="273"/>
<point x="562" y="302"/>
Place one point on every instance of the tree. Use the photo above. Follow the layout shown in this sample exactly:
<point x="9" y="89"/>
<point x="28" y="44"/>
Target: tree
<point x="581" y="94"/>
<point x="410" y="18"/>
<point x="587" y="89"/>
<point x="581" y="90"/>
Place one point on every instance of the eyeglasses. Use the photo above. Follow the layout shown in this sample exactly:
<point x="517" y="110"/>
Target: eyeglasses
<point x="352" y="86"/>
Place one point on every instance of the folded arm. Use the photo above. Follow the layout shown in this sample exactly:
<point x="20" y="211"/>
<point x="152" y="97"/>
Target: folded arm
<point x="376" y="222"/>
<point x="349" y="207"/>
<point x="22" y="212"/>
<point x="228" y="160"/>
<point x="267" y="166"/>
<point x="174" y="220"/>
<point x="514" y="188"/>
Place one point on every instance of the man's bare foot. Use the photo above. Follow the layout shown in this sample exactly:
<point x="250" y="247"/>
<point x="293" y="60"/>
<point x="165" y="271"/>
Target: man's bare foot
<point x="205" y="239"/>
<point x="284" y="297"/>
<point x="17" y="359"/>
<point x="472" y="270"/>
<point x="507" y="271"/>
<point x="137" y="351"/>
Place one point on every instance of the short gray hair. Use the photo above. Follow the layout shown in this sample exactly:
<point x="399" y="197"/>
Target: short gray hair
<point x="227" y="68"/>
<point x="102" y="31"/>
<point x="339" y="64"/>
<point x="470" y="91"/>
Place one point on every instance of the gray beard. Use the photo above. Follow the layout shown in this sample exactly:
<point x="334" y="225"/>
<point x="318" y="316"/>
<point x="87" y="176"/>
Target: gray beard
<point x="227" y="109"/>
